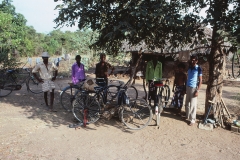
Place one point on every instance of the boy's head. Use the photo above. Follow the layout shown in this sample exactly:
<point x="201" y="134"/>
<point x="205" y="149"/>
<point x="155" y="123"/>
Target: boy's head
<point x="78" y="58"/>
<point x="181" y="66"/>
<point x="102" y="57"/>
<point x="193" y="60"/>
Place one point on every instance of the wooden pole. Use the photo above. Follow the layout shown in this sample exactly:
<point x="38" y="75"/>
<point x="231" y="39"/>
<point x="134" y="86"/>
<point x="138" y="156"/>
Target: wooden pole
<point x="225" y="107"/>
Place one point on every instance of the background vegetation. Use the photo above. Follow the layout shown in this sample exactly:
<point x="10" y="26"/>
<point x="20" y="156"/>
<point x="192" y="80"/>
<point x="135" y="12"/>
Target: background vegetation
<point x="19" y="40"/>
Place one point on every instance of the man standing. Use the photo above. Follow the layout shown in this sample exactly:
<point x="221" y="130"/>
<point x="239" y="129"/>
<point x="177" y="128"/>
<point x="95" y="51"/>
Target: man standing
<point x="78" y="71"/>
<point x="102" y="68"/>
<point x="194" y="82"/>
<point x="48" y="72"/>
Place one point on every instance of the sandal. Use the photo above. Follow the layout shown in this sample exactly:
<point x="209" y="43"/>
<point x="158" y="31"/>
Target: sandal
<point x="191" y="124"/>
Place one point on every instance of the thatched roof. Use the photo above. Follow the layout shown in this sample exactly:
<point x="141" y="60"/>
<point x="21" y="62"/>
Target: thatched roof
<point x="170" y="50"/>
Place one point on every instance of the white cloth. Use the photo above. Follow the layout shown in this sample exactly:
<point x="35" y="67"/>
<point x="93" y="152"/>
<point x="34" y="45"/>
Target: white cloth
<point x="48" y="86"/>
<point x="46" y="72"/>
<point x="191" y="104"/>
<point x="184" y="56"/>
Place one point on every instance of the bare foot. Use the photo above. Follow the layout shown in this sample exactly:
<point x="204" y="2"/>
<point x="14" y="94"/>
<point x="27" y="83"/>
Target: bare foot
<point x="52" y="110"/>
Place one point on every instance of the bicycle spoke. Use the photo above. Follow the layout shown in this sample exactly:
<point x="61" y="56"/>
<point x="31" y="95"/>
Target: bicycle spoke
<point x="137" y="114"/>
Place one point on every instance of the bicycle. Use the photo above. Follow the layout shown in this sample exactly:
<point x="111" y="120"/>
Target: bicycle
<point x="14" y="79"/>
<point x="134" y="113"/>
<point x="69" y="93"/>
<point x="162" y="98"/>
<point x="235" y="65"/>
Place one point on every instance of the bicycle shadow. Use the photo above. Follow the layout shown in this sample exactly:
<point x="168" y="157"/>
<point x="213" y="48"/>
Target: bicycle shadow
<point x="32" y="106"/>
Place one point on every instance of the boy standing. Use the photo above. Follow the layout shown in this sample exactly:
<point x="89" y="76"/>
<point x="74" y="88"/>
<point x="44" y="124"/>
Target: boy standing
<point x="180" y="88"/>
<point x="102" y="68"/>
<point x="78" y="71"/>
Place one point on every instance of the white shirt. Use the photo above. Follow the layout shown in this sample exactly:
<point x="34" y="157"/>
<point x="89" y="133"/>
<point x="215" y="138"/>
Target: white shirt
<point x="46" y="72"/>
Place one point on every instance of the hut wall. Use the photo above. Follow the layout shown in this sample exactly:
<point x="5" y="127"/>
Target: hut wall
<point x="170" y="67"/>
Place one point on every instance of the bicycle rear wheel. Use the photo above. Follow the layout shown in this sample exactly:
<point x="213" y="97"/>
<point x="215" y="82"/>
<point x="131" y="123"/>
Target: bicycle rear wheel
<point x="132" y="93"/>
<point x="136" y="115"/>
<point x="6" y="86"/>
<point x="235" y="65"/>
<point x="34" y="86"/>
<point x="67" y="96"/>
<point x="165" y="95"/>
<point x="84" y="103"/>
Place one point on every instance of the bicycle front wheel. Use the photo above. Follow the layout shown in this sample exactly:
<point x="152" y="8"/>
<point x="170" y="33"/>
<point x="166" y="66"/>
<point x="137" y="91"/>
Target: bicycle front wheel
<point x="137" y="114"/>
<point x="34" y="86"/>
<point x="86" y="104"/>
<point x="6" y="86"/>
<point x="67" y="96"/>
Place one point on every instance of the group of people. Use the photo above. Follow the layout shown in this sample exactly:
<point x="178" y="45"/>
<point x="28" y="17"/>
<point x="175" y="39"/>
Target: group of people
<point x="48" y="72"/>
<point x="189" y="84"/>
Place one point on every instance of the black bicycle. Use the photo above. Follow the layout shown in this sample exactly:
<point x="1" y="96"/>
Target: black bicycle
<point x="134" y="113"/>
<point x="163" y="94"/>
<point x="11" y="80"/>
<point x="69" y="93"/>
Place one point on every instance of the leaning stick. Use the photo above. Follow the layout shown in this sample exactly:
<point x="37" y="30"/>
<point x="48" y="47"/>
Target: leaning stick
<point x="225" y="107"/>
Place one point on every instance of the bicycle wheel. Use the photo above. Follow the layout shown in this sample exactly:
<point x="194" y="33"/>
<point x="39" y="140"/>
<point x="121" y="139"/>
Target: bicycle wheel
<point x="112" y="91"/>
<point x="158" y="115"/>
<point x="86" y="103"/>
<point x="6" y="86"/>
<point x="34" y="86"/>
<point x="165" y="95"/>
<point x="136" y="115"/>
<point x="159" y="111"/>
<point x="132" y="93"/>
<point x="235" y="65"/>
<point x="67" y="96"/>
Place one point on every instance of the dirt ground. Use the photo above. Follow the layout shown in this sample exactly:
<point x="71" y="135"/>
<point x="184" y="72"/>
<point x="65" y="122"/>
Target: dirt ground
<point x="29" y="132"/>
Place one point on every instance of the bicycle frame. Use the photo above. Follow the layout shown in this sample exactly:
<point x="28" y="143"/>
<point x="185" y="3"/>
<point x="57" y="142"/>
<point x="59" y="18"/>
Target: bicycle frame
<point x="13" y="75"/>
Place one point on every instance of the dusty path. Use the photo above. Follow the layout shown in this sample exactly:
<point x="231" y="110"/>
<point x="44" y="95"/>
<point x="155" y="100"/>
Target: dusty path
<point x="28" y="131"/>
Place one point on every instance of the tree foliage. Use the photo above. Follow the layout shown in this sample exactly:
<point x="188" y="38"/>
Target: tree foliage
<point x="157" y="22"/>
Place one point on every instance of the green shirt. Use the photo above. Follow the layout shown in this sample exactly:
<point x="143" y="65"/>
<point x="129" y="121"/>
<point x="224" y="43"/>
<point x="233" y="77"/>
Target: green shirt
<point x="152" y="73"/>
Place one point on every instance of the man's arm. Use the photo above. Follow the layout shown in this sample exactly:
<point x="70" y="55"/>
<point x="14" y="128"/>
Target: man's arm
<point x="73" y="75"/>
<point x="84" y="72"/>
<point x="55" y="75"/>
<point x="200" y="82"/>
<point x="174" y="82"/>
<point x="199" y="86"/>
<point x="35" y="71"/>
<point x="38" y="79"/>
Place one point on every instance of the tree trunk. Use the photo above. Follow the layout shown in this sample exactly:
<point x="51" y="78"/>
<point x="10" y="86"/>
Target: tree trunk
<point x="217" y="66"/>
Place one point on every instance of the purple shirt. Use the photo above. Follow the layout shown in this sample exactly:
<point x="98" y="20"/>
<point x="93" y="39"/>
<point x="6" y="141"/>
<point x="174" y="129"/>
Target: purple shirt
<point x="78" y="73"/>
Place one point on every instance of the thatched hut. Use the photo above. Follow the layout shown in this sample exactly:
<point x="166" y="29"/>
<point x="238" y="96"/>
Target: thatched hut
<point x="170" y="56"/>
